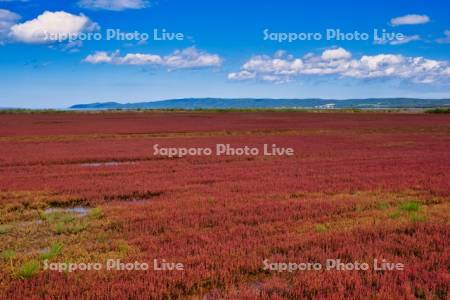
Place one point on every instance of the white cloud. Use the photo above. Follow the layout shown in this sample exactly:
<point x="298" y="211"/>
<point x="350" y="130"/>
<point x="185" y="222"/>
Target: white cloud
<point x="7" y="20"/>
<point x="188" y="58"/>
<point x="141" y="59"/>
<point x="191" y="58"/>
<point x="101" y="57"/>
<point x="410" y="20"/>
<point x="446" y="39"/>
<point x="406" y="39"/>
<point x="339" y="53"/>
<point x="116" y="5"/>
<point x="241" y="75"/>
<point x="340" y="63"/>
<point x="49" y="24"/>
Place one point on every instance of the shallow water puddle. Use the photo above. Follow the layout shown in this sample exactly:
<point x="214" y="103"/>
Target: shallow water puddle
<point x="80" y="211"/>
<point x="106" y="164"/>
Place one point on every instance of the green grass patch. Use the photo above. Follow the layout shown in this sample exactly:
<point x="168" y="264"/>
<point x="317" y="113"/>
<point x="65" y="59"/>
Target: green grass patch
<point x="28" y="269"/>
<point x="96" y="213"/>
<point x="320" y="228"/>
<point x="51" y="253"/>
<point x="59" y="228"/>
<point x="77" y="228"/>
<point x="123" y="247"/>
<point x="394" y="215"/>
<point x="410" y="206"/>
<point x="57" y="217"/>
<point x="8" y="254"/>
<point x="62" y="227"/>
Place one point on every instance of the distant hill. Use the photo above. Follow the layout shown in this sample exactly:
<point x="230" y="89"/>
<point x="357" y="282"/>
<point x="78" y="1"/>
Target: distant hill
<point x="249" y="103"/>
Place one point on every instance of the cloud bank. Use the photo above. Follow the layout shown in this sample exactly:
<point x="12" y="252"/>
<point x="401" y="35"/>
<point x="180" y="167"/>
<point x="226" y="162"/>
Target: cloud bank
<point x="339" y="62"/>
<point x="189" y="58"/>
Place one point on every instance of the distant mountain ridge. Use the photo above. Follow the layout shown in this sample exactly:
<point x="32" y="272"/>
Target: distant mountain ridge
<point x="255" y="103"/>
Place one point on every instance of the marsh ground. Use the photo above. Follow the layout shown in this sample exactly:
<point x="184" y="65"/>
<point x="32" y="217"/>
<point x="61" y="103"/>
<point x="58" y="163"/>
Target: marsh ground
<point x="360" y="186"/>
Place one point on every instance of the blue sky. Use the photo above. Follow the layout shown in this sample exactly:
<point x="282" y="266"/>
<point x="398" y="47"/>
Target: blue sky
<point x="224" y="51"/>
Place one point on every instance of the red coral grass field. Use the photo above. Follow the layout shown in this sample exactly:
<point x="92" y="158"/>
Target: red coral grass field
<point x="87" y="187"/>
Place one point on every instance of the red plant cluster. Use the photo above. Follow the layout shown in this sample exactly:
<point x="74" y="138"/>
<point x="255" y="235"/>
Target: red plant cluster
<point x="221" y="216"/>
